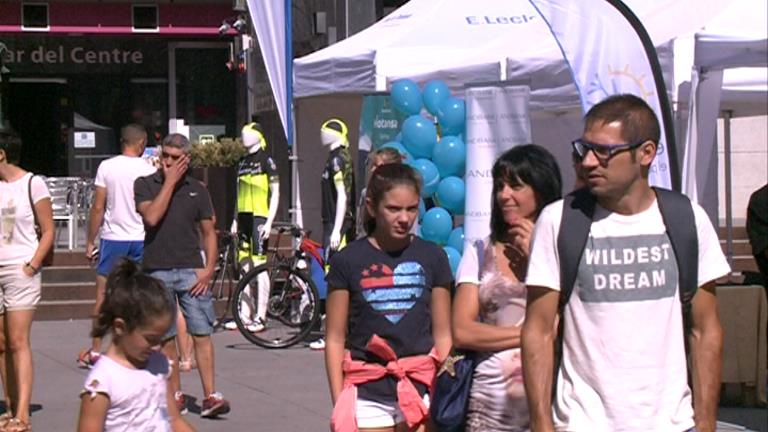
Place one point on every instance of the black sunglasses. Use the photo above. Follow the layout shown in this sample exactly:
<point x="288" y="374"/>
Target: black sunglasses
<point x="164" y="155"/>
<point x="603" y="152"/>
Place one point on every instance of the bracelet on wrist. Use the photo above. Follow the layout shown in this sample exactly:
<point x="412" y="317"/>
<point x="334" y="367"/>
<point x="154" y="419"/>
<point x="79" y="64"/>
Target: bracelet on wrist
<point x="29" y="264"/>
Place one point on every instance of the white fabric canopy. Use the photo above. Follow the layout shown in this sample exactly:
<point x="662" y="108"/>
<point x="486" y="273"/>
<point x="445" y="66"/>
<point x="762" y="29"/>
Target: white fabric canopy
<point x="462" y="42"/>
<point x="729" y="73"/>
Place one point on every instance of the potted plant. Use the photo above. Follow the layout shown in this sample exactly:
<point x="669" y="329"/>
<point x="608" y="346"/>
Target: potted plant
<point x="214" y="162"/>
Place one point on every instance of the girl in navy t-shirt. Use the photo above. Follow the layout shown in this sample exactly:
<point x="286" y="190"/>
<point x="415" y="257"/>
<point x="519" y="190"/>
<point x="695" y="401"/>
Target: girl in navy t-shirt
<point x="388" y="322"/>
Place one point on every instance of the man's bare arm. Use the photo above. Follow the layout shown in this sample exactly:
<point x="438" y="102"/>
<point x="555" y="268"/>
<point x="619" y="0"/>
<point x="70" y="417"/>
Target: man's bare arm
<point x="538" y="341"/>
<point x="706" y="356"/>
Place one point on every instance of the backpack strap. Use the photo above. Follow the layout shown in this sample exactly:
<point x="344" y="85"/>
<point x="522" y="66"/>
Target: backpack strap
<point x="677" y="213"/>
<point x="578" y="209"/>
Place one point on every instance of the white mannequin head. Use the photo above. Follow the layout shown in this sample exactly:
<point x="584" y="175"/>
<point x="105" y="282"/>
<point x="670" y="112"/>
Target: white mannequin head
<point x="333" y="133"/>
<point x="253" y="139"/>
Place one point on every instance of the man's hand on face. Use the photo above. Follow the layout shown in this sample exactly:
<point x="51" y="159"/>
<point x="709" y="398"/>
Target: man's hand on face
<point x="174" y="171"/>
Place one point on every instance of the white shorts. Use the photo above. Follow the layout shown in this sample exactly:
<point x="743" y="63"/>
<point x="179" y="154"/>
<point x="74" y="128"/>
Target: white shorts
<point x="17" y="290"/>
<point x="372" y="414"/>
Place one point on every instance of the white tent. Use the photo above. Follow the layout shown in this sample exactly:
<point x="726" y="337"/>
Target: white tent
<point x="462" y="42"/>
<point x="729" y="79"/>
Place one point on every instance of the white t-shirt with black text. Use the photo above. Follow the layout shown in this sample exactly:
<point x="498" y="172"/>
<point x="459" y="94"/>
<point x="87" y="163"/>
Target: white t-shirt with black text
<point x="117" y="175"/>
<point x="18" y="240"/>
<point x="623" y="366"/>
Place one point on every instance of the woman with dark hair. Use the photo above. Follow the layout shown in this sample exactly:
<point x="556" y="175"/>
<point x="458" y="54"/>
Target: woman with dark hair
<point x="25" y="204"/>
<point x="490" y="299"/>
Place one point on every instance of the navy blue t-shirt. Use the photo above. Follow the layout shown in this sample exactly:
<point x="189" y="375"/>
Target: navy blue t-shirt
<point x="389" y="295"/>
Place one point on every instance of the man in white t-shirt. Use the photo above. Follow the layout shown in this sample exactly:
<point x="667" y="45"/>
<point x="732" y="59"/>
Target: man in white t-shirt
<point x="114" y="214"/>
<point x="623" y="365"/>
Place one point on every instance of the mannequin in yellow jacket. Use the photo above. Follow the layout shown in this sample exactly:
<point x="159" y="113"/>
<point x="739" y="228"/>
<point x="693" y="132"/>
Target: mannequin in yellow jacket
<point x="258" y="195"/>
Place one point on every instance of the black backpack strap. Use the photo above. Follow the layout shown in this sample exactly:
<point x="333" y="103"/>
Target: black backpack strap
<point x="578" y="209"/>
<point x="677" y="213"/>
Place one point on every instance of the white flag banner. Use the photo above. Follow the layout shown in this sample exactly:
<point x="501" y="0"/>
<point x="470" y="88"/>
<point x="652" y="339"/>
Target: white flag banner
<point x="268" y="18"/>
<point x="607" y="57"/>
<point x="498" y="118"/>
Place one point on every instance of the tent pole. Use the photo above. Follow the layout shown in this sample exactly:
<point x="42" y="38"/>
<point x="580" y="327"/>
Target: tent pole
<point x="728" y="186"/>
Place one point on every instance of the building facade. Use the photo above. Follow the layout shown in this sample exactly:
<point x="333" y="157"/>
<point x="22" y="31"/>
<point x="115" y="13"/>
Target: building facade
<point x="76" y="72"/>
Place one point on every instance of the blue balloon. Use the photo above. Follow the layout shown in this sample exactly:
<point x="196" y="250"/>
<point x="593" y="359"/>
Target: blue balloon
<point x="436" y="225"/>
<point x="407" y="156"/>
<point x="454" y="258"/>
<point x="406" y="96"/>
<point x="450" y="155"/>
<point x="456" y="239"/>
<point x="451" y="193"/>
<point x="422" y="208"/>
<point x="452" y="116"/>
<point x="435" y="93"/>
<point x="430" y="176"/>
<point x="419" y="136"/>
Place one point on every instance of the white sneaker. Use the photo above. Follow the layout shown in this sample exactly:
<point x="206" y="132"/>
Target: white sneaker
<point x="317" y="345"/>
<point x="257" y="326"/>
<point x="230" y="325"/>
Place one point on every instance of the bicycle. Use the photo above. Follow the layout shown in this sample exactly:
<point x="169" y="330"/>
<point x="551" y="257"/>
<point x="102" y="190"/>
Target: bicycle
<point x="227" y="273"/>
<point x="283" y="289"/>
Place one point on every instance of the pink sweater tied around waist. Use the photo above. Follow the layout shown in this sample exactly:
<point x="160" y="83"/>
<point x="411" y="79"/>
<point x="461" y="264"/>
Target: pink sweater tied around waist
<point x="421" y="368"/>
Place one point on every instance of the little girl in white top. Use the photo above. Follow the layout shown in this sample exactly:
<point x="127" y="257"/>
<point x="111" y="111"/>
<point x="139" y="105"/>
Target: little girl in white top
<point x="127" y="389"/>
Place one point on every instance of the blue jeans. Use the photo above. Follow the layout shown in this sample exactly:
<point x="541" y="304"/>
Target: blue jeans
<point x="197" y="310"/>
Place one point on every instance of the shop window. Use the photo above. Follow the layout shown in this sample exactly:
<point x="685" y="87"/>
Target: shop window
<point x="34" y="16"/>
<point x="145" y="18"/>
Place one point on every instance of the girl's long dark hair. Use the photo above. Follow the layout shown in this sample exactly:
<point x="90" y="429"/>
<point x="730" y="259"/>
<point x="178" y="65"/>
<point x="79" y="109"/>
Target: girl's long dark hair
<point x="133" y="297"/>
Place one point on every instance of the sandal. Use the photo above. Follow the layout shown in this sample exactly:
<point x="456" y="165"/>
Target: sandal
<point x="16" y="425"/>
<point x="4" y="419"/>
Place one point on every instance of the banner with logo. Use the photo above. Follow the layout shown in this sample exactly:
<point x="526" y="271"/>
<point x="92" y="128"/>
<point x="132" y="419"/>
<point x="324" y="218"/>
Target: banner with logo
<point x="603" y="44"/>
<point x="379" y="122"/>
<point x="498" y="118"/>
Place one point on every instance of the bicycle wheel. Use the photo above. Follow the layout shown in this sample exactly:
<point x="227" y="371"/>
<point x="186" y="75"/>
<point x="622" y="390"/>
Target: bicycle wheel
<point x="275" y="306"/>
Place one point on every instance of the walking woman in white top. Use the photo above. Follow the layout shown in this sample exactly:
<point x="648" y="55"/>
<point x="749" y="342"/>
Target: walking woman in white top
<point x="21" y="258"/>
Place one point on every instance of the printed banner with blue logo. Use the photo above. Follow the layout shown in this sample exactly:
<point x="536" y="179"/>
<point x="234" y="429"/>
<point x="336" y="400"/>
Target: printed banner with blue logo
<point x="379" y="122"/>
<point x="606" y="57"/>
<point x="498" y="118"/>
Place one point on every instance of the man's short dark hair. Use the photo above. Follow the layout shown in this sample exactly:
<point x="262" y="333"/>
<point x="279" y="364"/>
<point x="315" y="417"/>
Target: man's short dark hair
<point x="10" y="143"/>
<point x="638" y="121"/>
<point x="178" y="141"/>
<point x="132" y="134"/>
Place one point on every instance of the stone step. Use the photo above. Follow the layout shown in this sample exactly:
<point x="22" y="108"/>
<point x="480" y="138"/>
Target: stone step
<point x="740" y="247"/>
<point x="64" y="257"/>
<point x="739" y="232"/>
<point x="69" y="274"/>
<point x="58" y="291"/>
<point x="743" y="263"/>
